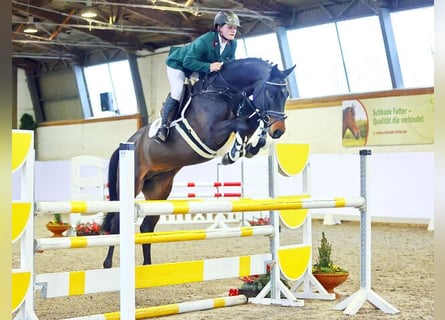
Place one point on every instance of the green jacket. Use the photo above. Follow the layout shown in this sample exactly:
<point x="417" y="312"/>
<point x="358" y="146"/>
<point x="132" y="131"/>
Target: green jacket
<point x="197" y="56"/>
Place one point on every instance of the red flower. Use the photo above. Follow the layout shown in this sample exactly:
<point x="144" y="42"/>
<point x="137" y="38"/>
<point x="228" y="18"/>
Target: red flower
<point x="259" y="221"/>
<point x="233" y="292"/>
<point x="88" y="229"/>
<point x="249" y="279"/>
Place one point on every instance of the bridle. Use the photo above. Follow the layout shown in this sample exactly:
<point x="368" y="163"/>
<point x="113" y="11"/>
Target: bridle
<point x="259" y="97"/>
<point x="267" y="115"/>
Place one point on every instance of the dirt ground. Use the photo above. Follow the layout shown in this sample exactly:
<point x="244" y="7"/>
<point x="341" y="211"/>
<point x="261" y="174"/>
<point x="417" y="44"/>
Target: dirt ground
<point x="402" y="274"/>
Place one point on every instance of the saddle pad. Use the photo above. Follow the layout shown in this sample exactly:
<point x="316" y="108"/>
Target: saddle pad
<point x="154" y="127"/>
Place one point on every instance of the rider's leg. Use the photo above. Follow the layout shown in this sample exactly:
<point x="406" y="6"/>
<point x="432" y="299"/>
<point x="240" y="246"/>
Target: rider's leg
<point x="167" y="113"/>
<point x="176" y="78"/>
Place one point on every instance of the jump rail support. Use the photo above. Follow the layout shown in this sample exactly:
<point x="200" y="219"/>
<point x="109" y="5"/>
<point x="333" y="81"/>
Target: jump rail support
<point x="354" y="302"/>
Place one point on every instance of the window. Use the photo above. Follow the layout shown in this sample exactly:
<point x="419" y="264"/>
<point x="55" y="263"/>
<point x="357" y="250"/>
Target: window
<point x="110" y="89"/>
<point x="414" y="37"/>
<point x="319" y="69"/>
<point x="352" y="58"/>
<point x="364" y="55"/>
<point x="264" y="47"/>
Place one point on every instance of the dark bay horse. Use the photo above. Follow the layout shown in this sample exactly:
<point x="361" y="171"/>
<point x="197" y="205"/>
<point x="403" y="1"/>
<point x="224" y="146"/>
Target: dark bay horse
<point x="350" y="123"/>
<point x="246" y="95"/>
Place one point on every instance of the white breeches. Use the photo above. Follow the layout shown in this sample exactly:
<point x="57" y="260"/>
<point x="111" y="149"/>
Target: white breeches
<point x="176" y="78"/>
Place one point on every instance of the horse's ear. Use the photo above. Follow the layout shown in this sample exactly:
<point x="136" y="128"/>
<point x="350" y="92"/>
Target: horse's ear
<point x="287" y="72"/>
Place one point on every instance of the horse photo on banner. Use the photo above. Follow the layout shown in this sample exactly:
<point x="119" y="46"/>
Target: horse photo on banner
<point x="355" y="124"/>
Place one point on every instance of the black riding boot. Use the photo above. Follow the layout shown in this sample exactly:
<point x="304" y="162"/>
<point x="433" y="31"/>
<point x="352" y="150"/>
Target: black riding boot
<point x="167" y="113"/>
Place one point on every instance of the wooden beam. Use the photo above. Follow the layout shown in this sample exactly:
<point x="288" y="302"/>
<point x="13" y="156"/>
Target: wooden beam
<point x="337" y="100"/>
<point x="65" y="21"/>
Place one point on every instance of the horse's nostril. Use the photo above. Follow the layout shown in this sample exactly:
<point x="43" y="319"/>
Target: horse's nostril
<point x="277" y="133"/>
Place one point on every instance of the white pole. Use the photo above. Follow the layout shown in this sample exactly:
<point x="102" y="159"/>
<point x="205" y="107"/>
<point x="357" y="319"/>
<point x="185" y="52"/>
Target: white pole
<point x="243" y="218"/>
<point x="275" y="239"/>
<point x="127" y="254"/>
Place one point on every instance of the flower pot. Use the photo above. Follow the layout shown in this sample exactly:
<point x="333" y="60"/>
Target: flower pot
<point x="331" y="280"/>
<point x="57" y="229"/>
<point x="249" y="293"/>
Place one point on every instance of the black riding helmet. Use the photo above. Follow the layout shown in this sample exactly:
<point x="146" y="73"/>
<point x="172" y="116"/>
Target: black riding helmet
<point x="226" y="17"/>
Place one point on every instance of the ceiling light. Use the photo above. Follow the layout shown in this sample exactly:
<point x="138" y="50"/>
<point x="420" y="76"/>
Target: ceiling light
<point x="30" y="27"/>
<point x="89" y="11"/>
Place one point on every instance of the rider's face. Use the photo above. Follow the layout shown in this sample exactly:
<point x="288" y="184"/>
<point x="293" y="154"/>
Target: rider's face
<point x="228" y="32"/>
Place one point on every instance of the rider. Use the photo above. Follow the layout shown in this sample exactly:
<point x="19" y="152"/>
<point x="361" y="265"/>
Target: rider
<point x="204" y="55"/>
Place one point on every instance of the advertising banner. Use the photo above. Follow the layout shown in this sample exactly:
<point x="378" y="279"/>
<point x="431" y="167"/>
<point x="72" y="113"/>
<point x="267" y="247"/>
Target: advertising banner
<point x="388" y="121"/>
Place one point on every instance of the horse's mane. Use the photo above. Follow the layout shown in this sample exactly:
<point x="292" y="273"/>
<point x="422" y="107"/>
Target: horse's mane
<point x="247" y="60"/>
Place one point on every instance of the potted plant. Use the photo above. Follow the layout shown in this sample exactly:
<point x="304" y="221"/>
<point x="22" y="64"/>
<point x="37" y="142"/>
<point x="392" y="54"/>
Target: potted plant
<point x="27" y="122"/>
<point x="259" y="221"/>
<point x="252" y="285"/>
<point x="325" y="271"/>
<point x="88" y="228"/>
<point x="57" y="226"/>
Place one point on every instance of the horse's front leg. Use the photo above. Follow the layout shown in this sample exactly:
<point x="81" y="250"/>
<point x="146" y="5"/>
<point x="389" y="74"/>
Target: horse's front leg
<point x="257" y="141"/>
<point x="237" y="151"/>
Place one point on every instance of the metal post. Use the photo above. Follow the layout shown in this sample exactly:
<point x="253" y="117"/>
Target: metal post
<point x="354" y="302"/>
<point x="365" y="225"/>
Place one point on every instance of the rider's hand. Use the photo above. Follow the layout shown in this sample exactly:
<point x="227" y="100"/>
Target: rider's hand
<point x="215" y="66"/>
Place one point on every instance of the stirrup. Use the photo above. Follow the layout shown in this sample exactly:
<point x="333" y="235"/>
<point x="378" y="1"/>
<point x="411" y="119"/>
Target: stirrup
<point x="162" y="134"/>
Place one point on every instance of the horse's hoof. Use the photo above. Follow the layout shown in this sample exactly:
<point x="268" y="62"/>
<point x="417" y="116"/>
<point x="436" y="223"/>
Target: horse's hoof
<point x="226" y="160"/>
<point x="251" y="151"/>
<point x="107" y="265"/>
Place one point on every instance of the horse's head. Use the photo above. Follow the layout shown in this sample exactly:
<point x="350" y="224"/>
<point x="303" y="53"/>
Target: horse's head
<point x="349" y="122"/>
<point x="269" y="98"/>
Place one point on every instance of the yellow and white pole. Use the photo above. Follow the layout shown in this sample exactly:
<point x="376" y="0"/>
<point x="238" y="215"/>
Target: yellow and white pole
<point x="170" y="309"/>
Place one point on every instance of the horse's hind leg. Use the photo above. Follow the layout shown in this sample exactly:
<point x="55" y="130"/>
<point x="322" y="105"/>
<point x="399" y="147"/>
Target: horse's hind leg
<point x="156" y="188"/>
<point x="108" y="262"/>
<point x="113" y="229"/>
<point x="148" y="225"/>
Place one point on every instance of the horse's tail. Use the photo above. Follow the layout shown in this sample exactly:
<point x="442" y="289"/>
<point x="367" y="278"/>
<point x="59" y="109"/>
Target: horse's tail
<point x="112" y="189"/>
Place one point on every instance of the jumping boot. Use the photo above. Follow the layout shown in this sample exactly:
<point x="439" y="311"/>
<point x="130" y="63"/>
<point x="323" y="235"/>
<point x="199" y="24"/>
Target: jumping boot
<point x="167" y="113"/>
<point x="236" y="152"/>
